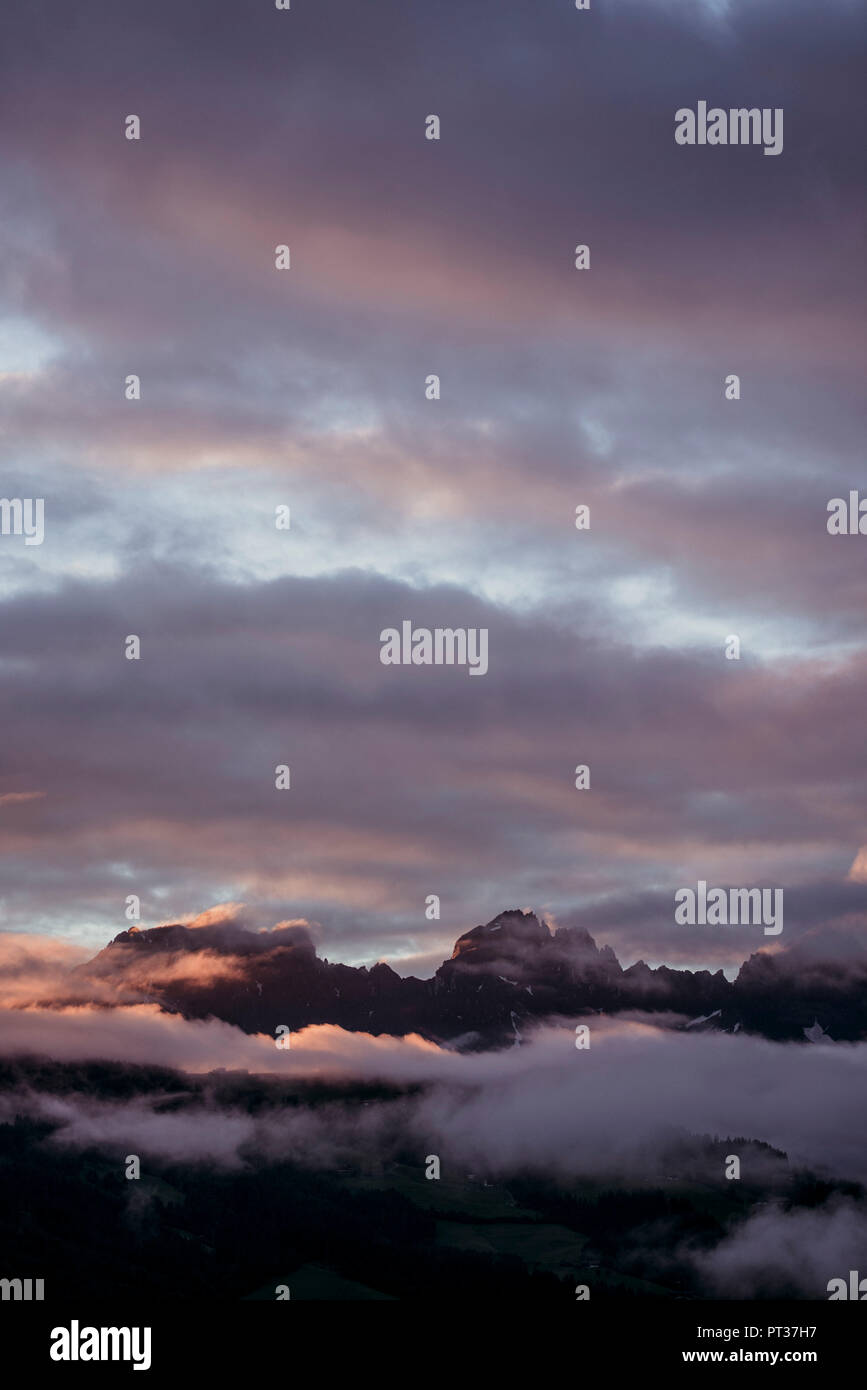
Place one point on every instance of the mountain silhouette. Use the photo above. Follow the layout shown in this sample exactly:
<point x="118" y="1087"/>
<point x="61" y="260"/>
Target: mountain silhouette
<point x="511" y="971"/>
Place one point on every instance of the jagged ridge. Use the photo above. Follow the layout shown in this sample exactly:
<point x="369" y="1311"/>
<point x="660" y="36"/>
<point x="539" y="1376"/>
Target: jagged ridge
<point x="512" y="968"/>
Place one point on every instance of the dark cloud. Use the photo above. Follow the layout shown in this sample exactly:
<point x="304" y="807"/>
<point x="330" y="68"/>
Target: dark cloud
<point x="169" y="762"/>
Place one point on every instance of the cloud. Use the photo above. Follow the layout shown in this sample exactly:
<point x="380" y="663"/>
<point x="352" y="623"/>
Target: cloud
<point x="199" y="804"/>
<point x="858" y="871"/>
<point x="411" y="257"/>
<point x="798" y="1250"/>
<point x="34" y="968"/>
<point x="546" y="1107"/>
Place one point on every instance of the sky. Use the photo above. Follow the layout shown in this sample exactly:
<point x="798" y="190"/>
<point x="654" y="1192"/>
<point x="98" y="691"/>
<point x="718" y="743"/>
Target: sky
<point x="306" y="388"/>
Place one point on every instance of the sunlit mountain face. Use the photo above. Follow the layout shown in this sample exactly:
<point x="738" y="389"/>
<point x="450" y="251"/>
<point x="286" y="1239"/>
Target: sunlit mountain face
<point x="432" y="550"/>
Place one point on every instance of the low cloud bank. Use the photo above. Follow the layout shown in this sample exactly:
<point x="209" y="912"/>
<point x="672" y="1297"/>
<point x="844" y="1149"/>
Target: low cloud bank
<point x="545" y="1105"/>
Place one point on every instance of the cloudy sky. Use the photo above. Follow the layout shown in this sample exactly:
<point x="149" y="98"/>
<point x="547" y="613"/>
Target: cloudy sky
<point x="306" y="388"/>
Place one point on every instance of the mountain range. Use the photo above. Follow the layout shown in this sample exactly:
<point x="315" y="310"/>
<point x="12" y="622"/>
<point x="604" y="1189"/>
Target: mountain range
<point x="500" y="977"/>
